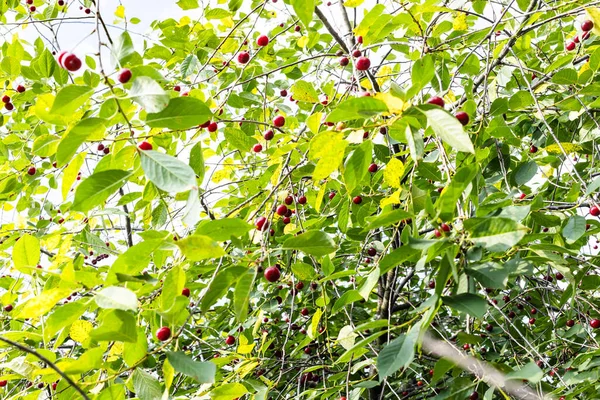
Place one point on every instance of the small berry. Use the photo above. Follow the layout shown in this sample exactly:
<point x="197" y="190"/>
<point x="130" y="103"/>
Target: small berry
<point x="262" y="40"/>
<point x="272" y="274"/>
<point x="243" y="57"/>
<point x="587" y="26"/>
<point x="570" y="46"/>
<point x="363" y="64"/>
<point x="163" y="333"/>
<point x="595" y="211"/>
<point x="124" y="75"/>
<point x="31" y="171"/>
<point x="357" y="200"/>
<point x="185" y="292"/>
<point x="595" y="323"/>
<point x="282" y="210"/>
<point x="230" y="340"/>
<point x="257" y="148"/>
<point x="20" y="88"/>
<point x="279" y="121"/>
<point x="373" y="168"/>
<point x="462" y="117"/>
<point x="302" y="200"/>
<point x="437" y="101"/>
<point x="145" y="146"/>
<point x="283" y="93"/>
<point x="212" y="127"/>
<point x="344" y="61"/>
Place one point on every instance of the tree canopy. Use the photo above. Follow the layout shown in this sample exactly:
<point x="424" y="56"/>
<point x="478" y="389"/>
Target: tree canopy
<point x="300" y="199"/>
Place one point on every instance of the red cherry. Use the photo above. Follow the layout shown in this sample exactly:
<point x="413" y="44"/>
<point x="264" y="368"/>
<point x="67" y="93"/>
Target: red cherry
<point x="283" y="93"/>
<point x="307" y="350"/>
<point x="559" y="276"/>
<point x="243" y="57"/>
<point x="344" y="61"/>
<point x="145" y="146"/>
<point x="302" y="200"/>
<point x="570" y="323"/>
<point x="288" y="200"/>
<point x="587" y="26"/>
<point x="212" y="127"/>
<point x="177" y="88"/>
<point x="357" y="200"/>
<point x="257" y="148"/>
<point x="522" y="196"/>
<point x="54" y="384"/>
<point x="466" y="346"/>
<point x="287" y="220"/>
<point x="462" y="117"/>
<point x="71" y="62"/>
<point x="269" y="135"/>
<point x="124" y="75"/>
<point x="595" y="211"/>
<point x="8" y="308"/>
<point x="437" y="233"/>
<point x="372" y="251"/>
<point x="163" y="333"/>
<point x="331" y="195"/>
<point x="9" y="106"/>
<point x="297" y="28"/>
<point x="373" y="168"/>
<point x="106" y="150"/>
<point x="437" y="101"/>
<point x="532" y="321"/>
<point x="304" y="311"/>
<point x="262" y="40"/>
<point x="261" y="223"/>
<point x="282" y="210"/>
<point x="185" y="292"/>
<point x="20" y="88"/>
<point x="6" y="99"/>
<point x="533" y="149"/>
<point x="32" y="8"/>
<point x="272" y="274"/>
<point x="431" y="284"/>
<point x="230" y="340"/>
<point x="570" y="45"/>
<point x="356" y="53"/>
<point x="87" y="11"/>
<point x="363" y="64"/>
<point x="595" y="323"/>
<point x="279" y="121"/>
<point x="359" y="39"/>
<point x="31" y="171"/>
<point x="61" y="2"/>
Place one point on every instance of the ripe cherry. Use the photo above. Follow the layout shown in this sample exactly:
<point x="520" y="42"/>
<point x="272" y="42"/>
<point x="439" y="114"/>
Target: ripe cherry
<point x="445" y="227"/>
<point x="437" y="101"/>
<point x="272" y="274"/>
<point x="8" y="308"/>
<point x="243" y="57"/>
<point x="587" y="26"/>
<point x="31" y="171"/>
<point x="559" y="276"/>
<point x="6" y="99"/>
<point x="288" y="200"/>
<point x="185" y="292"/>
<point x="124" y="75"/>
<point x="302" y="200"/>
<point x="372" y="251"/>
<point x="533" y="149"/>
<point x="304" y="311"/>
<point x="595" y="323"/>
<point x="269" y="135"/>
<point x="230" y="340"/>
<point x="261" y="223"/>
<point x="145" y="146"/>
<point x="20" y="88"/>
<point x="71" y="62"/>
<point x="462" y="117"/>
<point x="212" y="127"/>
<point x="373" y="168"/>
<point x="356" y="53"/>
<point x="279" y="121"/>
<point x="344" y="61"/>
<point x="570" y="46"/>
<point x="9" y="106"/>
<point x="357" y="200"/>
<point x="257" y="148"/>
<point x="262" y="40"/>
<point x="570" y="323"/>
<point x="282" y="210"/>
<point x="163" y="333"/>
<point x="283" y="93"/>
<point x="595" y="211"/>
<point x="363" y="64"/>
<point x="331" y="195"/>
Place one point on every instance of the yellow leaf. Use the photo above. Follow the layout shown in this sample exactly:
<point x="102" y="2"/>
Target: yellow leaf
<point x="394" y="104"/>
<point x="43" y="303"/>
<point x="328" y="148"/>
<point x="80" y="330"/>
<point x="393" y="199"/>
<point x="303" y="41"/>
<point x="381" y="74"/>
<point x="228" y="22"/>
<point x="569" y="148"/>
<point x="120" y="12"/>
<point x="319" y="199"/>
<point x="393" y="173"/>
<point x="168" y="373"/>
<point x="115" y="351"/>
<point x="460" y="22"/>
<point x="584" y="68"/>
<point x="353" y="3"/>
<point x="366" y="83"/>
<point x="185" y="20"/>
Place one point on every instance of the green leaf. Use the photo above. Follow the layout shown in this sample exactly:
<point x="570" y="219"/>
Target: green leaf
<point x="220" y="285"/>
<point x="117" y="325"/>
<point x="495" y="234"/>
<point x="197" y="161"/>
<point x="316" y="243"/>
<point x="181" y="113"/>
<point x="574" y="228"/>
<point x="86" y="129"/>
<point x="241" y="295"/>
<point x="96" y="189"/>
<point x="356" y="108"/>
<point x="88" y="361"/>
<point x="446" y="203"/>
<point x="149" y="94"/>
<point x="303" y="271"/>
<point x="399" y="353"/>
<point x="188" y="4"/>
<point x="200" y="247"/>
<point x="46" y="64"/>
<point x="70" y="98"/>
<point x="173" y="285"/>
<point x="349" y="297"/>
<point x="467" y="303"/>
<point x="304" y="91"/>
<point x="356" y="169"/>
<point x="167" y="172"/>
<point x="121" y="49"/>
<point x="63" y="316"/>
<point x="387" y="218"/>
<point x="304" y="10"/>
<point x="369" y="283"/>
<point x="442" y="366"/>
<point x="223" y="229"/>
<point x="26" y="252"/>
<point x="134" y="352"/>
<point x="229" y="391"/>
<point x="238" y="139"/>
<point x="447" y="128"/>
<point x="116" y="297"/>
<point x="45" y="145"/>
<point x="491" y="275"/>
<point x="530" y="372"/>
<point x="146" y="386"/>
<point x="201" y="372"/>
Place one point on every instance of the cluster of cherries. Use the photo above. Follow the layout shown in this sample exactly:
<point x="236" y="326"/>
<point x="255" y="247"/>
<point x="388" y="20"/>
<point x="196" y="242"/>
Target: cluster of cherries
<point x="6" y="98"/>
<point x="461" y="116"/>
<point x="362" y="63"/>
<point x="586" y="27"/>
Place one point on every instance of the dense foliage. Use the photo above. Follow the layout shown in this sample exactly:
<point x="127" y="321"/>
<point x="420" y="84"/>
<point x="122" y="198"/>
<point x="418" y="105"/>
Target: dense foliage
<point x="301" y="199"/>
